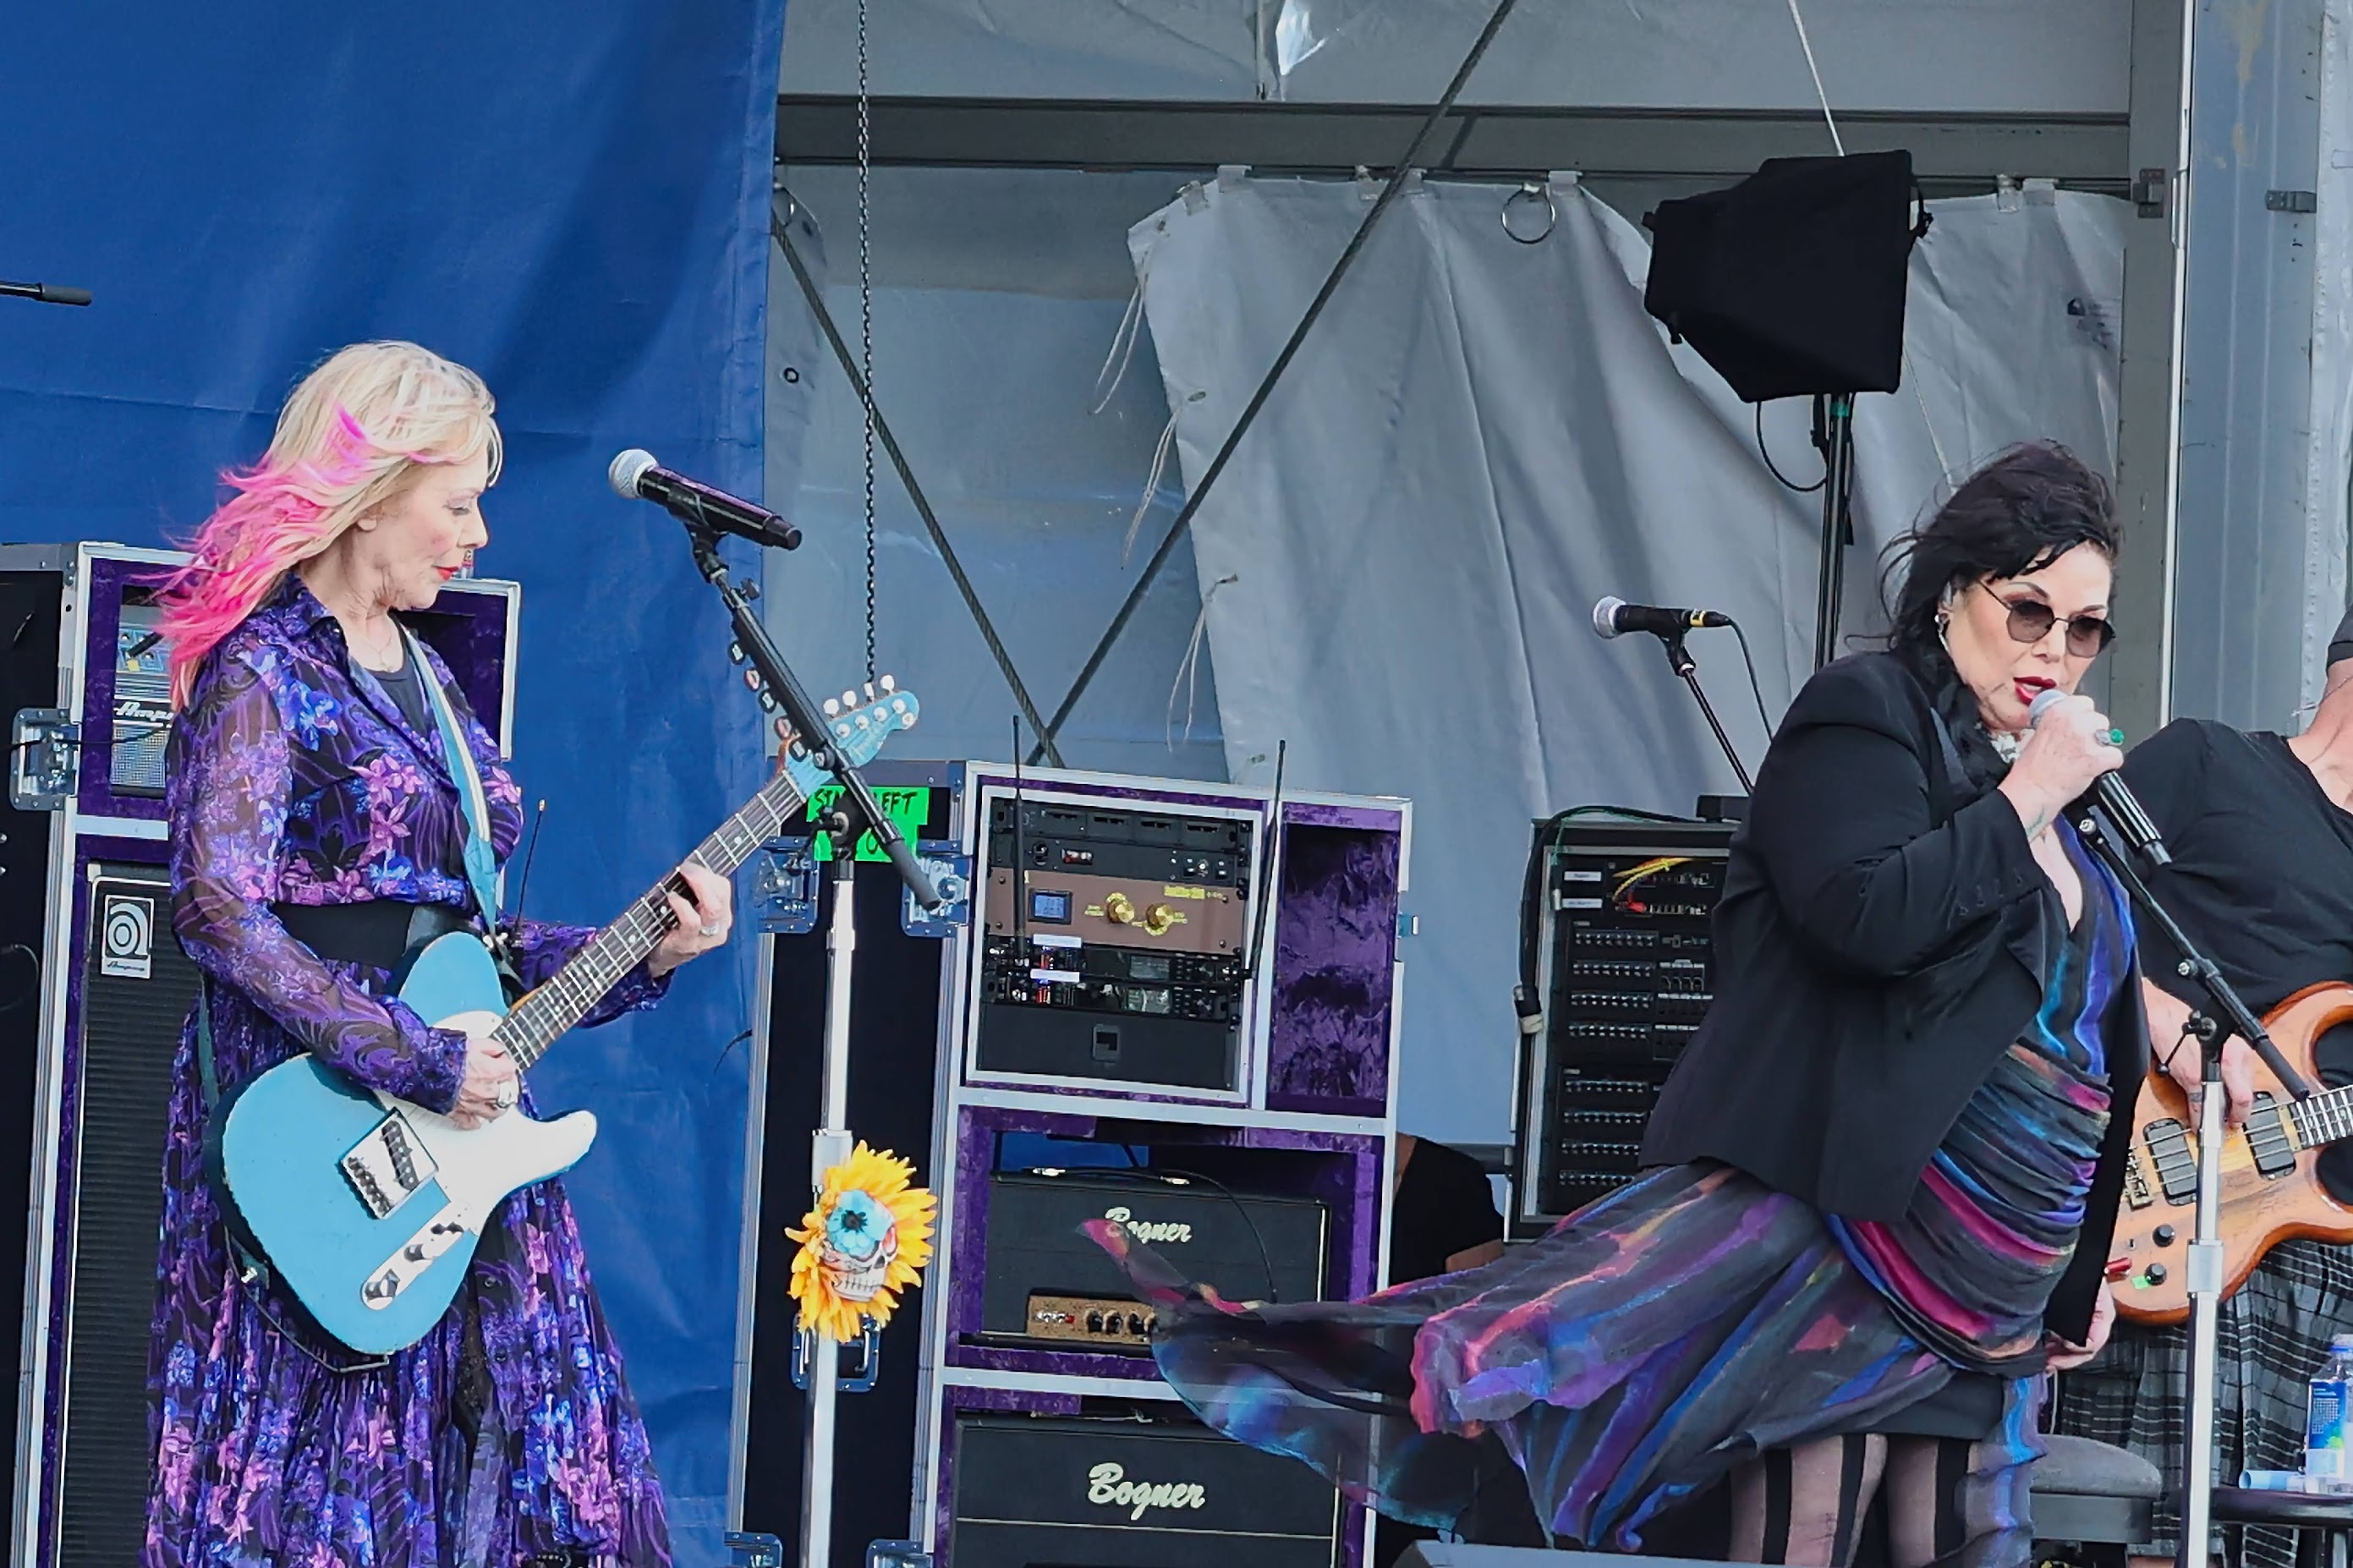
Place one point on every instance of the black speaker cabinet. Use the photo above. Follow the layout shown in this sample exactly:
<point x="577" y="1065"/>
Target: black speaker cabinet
<point x="1039" y="1492"/>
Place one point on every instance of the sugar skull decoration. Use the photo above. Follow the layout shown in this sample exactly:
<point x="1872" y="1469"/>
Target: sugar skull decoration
<point x="868" y="1238"/>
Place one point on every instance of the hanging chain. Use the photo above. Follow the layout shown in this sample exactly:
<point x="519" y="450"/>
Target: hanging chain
<point x="866" y="315"/>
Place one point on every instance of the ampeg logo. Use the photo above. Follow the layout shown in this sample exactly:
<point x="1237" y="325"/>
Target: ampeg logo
<point x="127" y="938"/>
<point x="1146" y="1230"/>
<point x="1108" y="1487"/>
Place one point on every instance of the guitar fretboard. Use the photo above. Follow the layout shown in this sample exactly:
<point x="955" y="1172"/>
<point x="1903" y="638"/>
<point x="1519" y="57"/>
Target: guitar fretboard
<point x="541" y="1018"/>
<point x="2325" y="1118"/>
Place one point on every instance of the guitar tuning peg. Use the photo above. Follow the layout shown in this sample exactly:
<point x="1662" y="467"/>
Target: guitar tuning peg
<point x="767" y="702"/>
<point x="832" y="706"/>
<point x="869" y="691"/>
<point x="785" y="730"/>
<point x="849" y="699"/>
<point x="734" y="653"/>
<point x="906" y="719"/>
<point x="752" y="680"/>
<point x="863" y="722"/>
<point x="889" y="683"/>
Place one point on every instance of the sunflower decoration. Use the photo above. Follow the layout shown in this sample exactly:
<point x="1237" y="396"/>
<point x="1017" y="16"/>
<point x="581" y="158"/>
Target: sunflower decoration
<point x="868" y="1238"/>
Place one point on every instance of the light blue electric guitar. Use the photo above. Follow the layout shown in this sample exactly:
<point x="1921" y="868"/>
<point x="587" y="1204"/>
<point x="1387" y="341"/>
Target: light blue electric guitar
<point x="369" y="1207"/>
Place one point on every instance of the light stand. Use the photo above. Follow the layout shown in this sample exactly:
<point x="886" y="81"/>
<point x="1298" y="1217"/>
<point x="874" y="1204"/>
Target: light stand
<point x="2203" y="1265"/>
<point x="1834" y="438"/>
<point x="855" y="812"/>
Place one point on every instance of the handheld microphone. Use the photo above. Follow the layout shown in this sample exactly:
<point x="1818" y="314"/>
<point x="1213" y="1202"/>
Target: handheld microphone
<point x="636" y="477"/>
<point x="1613" y="617"/>
<point x="2112" y="794"/>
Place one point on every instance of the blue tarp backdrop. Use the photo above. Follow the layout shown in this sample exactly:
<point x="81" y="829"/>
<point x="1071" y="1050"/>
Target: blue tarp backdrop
<point x="573" y="199"/>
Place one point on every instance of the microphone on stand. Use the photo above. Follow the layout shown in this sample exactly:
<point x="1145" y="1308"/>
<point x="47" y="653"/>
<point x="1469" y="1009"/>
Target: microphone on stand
<point x="636" y="476"/>
<point x="1613" y="617"/>
<point x="2112" y="794"/>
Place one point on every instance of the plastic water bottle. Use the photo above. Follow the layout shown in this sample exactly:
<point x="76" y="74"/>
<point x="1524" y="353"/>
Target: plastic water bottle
<point x="2328" y="1420"/>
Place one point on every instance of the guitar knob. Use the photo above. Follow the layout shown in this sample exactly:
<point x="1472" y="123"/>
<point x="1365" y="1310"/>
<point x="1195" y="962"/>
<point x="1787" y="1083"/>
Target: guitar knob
<point x="2162" y="1236"/>
<point x="2157" y="1273"/>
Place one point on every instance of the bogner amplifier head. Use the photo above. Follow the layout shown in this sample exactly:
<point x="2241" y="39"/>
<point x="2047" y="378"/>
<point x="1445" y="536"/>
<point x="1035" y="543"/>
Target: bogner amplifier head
<point x="1044" y="1279"/>
<point x="1034" y="1492"/>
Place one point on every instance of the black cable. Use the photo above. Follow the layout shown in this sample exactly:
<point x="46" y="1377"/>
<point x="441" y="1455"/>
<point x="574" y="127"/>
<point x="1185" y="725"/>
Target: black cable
<point x="783" y="236"/>
<point x="31" y="991"/>
<point x="1183" y="519"/>
<point x="1266" y="1259"/>
<point x="1753" y="689"/>
<point x="1775" y="468"/>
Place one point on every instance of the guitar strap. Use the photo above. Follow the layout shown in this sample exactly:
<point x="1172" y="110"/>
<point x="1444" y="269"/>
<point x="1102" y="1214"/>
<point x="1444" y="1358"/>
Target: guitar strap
<point x="482" y="859"/>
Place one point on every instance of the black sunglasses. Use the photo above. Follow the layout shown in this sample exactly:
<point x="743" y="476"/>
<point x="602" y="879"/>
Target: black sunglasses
<point x="2031" y="621"/>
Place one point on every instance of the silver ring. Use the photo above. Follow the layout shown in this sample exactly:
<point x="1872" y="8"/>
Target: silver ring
<point x="711" y="930"/>
<point x="1531" y="190"/>
<point x="505" y="1097"/>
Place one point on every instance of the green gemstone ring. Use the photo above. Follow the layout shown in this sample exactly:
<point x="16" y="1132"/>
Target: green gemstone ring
<point x="2115" y="737"/>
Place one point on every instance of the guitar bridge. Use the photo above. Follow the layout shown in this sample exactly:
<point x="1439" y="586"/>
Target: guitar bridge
<point x="387" y="1165"/>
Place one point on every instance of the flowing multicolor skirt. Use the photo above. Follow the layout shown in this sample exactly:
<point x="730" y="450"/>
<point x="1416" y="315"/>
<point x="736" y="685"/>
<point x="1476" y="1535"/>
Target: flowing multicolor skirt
<point x="1627" y="1362"/>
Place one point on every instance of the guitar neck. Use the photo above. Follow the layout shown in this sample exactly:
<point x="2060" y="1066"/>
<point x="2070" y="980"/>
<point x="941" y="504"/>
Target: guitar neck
<point x="2326" y="1118"/>
<point x="542" y="1018"/>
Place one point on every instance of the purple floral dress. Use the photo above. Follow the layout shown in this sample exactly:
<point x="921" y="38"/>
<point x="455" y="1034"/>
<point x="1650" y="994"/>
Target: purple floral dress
<point x="505" y="1434"/>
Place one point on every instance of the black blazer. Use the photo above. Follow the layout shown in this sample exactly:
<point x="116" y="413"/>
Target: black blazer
<point x="1879" y="945"/>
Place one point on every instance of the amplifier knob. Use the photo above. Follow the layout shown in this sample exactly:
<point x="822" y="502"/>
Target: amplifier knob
<point x="1119" y="908"/>
<point x="1158" y="918"/>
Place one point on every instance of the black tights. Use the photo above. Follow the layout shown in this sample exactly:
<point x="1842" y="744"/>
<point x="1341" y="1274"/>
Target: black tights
<point x="1804" y="1506"/>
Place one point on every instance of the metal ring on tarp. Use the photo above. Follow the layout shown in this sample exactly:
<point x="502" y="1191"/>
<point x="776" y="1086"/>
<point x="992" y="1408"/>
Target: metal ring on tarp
<point x="1531" y="190"/>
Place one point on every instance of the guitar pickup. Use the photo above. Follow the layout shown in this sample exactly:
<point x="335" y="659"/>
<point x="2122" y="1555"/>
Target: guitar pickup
<point x="2167" y="1143"/>
<point x="2269" y="1138"/>
<point x="387" y="1165"/>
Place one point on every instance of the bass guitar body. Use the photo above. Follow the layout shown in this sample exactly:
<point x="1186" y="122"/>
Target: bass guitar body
<point x="368" y="1208"/>
<point x="2270" y="1191"/>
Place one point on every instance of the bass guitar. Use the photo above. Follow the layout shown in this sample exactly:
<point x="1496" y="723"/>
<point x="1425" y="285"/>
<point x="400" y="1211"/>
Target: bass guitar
<point x="2270" y="1193"/>
<point x="369" y="1207"/>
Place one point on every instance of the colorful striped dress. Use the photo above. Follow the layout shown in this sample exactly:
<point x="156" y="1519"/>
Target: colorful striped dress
<point x="1693" y="1320"/>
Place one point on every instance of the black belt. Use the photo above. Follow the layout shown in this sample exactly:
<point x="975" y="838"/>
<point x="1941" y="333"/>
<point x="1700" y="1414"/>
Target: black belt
<point x="378" y="933"/>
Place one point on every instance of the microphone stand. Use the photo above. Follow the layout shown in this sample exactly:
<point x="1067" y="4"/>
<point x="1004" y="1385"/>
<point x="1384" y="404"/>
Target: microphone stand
<point x="854" y="811"/>
<point x="2231" y="1016"/>
<point x="1686" y="669"/>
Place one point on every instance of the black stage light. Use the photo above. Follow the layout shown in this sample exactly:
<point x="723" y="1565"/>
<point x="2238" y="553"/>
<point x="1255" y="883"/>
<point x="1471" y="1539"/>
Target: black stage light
<point x="1791" y="282"/>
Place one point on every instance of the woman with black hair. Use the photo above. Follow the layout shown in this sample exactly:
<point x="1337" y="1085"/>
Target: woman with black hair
<point x="1888" y="1166"/>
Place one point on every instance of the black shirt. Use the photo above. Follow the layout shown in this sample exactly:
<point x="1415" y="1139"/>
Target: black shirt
<point x="1443" y="1206"/>
<point x="407" y="691"/>
<point x="2262" y="877"/>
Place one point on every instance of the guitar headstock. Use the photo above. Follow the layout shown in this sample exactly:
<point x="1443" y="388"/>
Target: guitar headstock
<point x="860" y="726"/>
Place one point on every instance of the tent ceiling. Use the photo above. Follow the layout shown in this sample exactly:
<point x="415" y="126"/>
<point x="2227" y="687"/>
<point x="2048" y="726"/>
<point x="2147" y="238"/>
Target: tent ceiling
<point x="1929" y="56"/>
<point x="2078" y="149"/>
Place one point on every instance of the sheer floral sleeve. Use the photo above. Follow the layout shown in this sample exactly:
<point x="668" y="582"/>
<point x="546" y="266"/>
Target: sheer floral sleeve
<point x="235" y="778"/>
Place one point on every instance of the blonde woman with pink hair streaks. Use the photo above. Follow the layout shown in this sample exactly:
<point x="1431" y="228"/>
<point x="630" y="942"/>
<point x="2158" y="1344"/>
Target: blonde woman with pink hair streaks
<point x="315" y="835"/>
